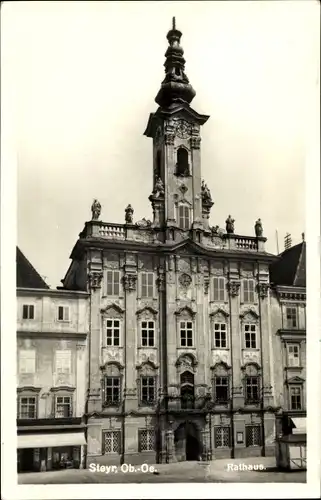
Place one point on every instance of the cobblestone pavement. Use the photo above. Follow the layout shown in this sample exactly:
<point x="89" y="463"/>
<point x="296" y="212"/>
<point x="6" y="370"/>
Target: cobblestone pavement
<point x="217" y="471"/>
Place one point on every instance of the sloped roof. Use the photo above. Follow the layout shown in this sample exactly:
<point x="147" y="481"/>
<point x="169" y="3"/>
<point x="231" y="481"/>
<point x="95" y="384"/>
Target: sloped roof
<point x="27" y="276"/>
<point x="290" y="269"/>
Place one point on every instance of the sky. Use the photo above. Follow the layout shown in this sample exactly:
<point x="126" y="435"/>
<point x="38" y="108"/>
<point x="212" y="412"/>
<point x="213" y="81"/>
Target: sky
<point x="80" y="80"/>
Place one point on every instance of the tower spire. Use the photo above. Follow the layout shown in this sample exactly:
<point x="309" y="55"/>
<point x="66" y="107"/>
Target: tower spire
<point x="175" y="87"/>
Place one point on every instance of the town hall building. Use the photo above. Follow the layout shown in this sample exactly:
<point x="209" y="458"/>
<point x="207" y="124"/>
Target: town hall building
<point x="180" y="360"/>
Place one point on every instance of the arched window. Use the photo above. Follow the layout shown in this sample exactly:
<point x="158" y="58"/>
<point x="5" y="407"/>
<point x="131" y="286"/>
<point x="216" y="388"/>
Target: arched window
<point x="221" y="384"/>
<point x="187" y="389"/>
<point x="182" y="166"/>
<point x="147" y="383"/>
<point x="252" y="384"/>
<point x="111" y="385"/>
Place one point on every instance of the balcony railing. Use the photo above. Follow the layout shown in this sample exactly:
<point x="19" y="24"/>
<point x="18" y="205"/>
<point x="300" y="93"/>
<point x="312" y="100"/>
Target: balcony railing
<point x="112" y="231"/>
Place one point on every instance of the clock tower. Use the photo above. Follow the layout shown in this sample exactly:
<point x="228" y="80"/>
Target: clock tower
<point x="177" y="198"/>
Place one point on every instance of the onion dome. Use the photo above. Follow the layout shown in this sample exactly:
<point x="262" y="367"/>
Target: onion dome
<point x="175" y="87"/>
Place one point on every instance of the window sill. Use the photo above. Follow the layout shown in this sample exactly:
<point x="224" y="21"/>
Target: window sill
<point x="63" y="321"/>
<point x="298" y="368"/>
<point x="146" y="347"/>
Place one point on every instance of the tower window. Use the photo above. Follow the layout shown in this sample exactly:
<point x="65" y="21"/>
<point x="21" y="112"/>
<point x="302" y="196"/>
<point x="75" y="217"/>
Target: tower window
<point x="183" y="217"/>
<point x="182" y="166"/>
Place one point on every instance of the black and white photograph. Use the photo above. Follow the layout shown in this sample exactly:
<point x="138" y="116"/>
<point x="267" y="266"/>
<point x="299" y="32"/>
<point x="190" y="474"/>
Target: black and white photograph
<point x="160" y="260"/>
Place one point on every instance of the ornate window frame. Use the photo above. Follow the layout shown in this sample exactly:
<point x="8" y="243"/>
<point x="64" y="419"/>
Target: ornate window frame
<point x="147" y="314"/>
<point x="112" y="369"/>
<point x="250" y="317"/>
<point x="112" y="312"/>
<point x="219" y="316"/>
<point x="28" y="392"/>
<point x="185" y="314"/>
<point x="247" y="369"/>
<point x="147" y="369"/>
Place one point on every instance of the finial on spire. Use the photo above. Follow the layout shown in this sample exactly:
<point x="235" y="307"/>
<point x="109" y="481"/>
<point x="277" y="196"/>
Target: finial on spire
<point x="175" y="87"/>
<point x="303" y="237"/>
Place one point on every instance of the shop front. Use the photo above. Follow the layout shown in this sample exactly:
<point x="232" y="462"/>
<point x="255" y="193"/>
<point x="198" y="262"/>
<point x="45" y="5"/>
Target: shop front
<point x="39" y="452"/>
<point x="291" y="443"/>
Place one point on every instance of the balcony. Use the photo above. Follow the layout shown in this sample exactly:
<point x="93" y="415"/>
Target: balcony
<point x="49" y="423"/>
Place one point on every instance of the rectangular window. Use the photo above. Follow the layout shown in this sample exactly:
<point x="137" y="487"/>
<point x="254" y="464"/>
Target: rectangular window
<point x="222" y="437"/>
<point x="251" y="390"/>
<point x="183" y="217"/>
<point x="147" y="285"/>
<point x="146" y="439"/>
<point x="295" y="398"/>
<point x="148" y="389"/>
<point x="63" y="313"/>
<point x="113" y="332"/>
<point x="63" y="362"/>
<point x="28" y="312"/>
<point x="186" y="333"/>
<point x="291" y="317"/>
<point x="27" y="361"/>
<point x="293" y="355"/>
<point x="220" y="335"/>
<point x="250" y="336"/>
<point x="248" y="291"/>
<point x="148" y="333"/>
<point x="221" y="389"/>
<point x="112" y="390"/>
<point x="63" y="407"/>
<point x="219" y="289"/>
<point x="113" y="281"/>
<point x="253" y="435"/>
<point x="111" y="442"/>
<point x="27" y="407"/>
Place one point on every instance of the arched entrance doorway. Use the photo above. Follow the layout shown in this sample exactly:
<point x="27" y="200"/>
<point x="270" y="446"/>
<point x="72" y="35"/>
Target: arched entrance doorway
<point x="187" y="442"/>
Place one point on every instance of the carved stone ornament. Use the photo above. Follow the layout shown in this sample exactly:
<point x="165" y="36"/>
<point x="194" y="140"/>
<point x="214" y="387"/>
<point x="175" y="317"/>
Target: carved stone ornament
<point x="185" y="280"/>
<point x="263" y="289"/>
<point x="233" y="288"/>
<point x="94" y="279"/>
<point x="183" y="129"/>
<point x="160" y="282"/>
<point x="129" y="281"/>
<point x="206" y="284"/>
<point x="169" y="139"/>
<point x="195" y="142"/>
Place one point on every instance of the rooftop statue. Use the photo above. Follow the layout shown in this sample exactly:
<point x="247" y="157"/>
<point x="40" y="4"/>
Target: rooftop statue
<point x="258" y="228"/>
<point x="95" y="210"/>
<point x="129" y="214"/>
<point x="230" y="225"/>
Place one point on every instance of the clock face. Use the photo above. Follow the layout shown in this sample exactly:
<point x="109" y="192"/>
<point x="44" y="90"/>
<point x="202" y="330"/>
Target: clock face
<point x="183" y="129"/>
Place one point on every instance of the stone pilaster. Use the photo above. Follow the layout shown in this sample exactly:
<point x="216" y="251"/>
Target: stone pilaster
<point x="235" y="339"/>
<point x="169" y="180"/>
<point x="130" y="284"/>
<point x="94" y="390"/>
<point x="263" y="294"/>
<point x="171" y="320"/>
<point x="81" y="382"/>
<point x="200" y="333"/>
<point x="196" y="166"/>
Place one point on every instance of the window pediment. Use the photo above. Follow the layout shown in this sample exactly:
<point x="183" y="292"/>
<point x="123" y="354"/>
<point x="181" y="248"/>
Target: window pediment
<point x="112" y="368"/>
<point x="29" y="388"/>
<point x="147" y="367"/>
<point x="147" y="311"/>
<point x="295" y="380"/>
<point x="62" y="388"/>
<point x="249" y="315"/>
<point x="219" y="313"/>
<point x="186" y="310"/>
<point x="221" y="368"/>
<point x="187" y="360"/>
<point x="112" y="310"/>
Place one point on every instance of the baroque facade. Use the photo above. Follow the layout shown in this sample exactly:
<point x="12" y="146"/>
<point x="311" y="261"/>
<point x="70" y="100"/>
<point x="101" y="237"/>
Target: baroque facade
<point x="52" y="328"/>
<point x="180" y="338"/>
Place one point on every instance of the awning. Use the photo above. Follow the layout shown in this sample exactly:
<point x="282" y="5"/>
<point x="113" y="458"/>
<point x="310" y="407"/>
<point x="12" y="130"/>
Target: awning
<point x="299" y="425"/>
<point x="51" y="440"/>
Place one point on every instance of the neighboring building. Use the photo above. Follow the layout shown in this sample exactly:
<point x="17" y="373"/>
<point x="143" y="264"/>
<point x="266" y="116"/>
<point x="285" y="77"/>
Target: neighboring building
<point x="288" y="276"/>
<point x="180" y="344"/>
<point x="52" y="328"/>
